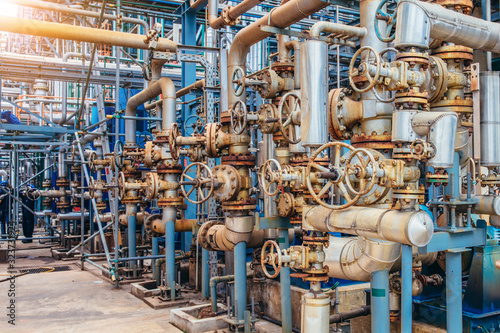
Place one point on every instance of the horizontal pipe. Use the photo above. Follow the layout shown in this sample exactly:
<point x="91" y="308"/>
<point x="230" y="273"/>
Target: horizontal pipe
<point x="337" y="29"/>
<point x="483" y="204"/>
<point x="184" y="91"/>
<point x="230" y="13"/>
<point x="406" y="227"/>
<point x="364" y="310"/>
<point x="81" y="34"/>
<point x="213" y="284"/>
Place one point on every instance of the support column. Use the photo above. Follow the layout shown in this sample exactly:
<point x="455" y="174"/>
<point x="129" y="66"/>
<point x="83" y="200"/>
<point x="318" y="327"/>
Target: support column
<point x="155" y="250"/>
<point x="454" y="290"/>
<point x="240" y="279"/>
<point x="406" y="293"/>
<point x="205" y="274"/>
<point x="380" y="301"/>
<point x="286" y="297"/>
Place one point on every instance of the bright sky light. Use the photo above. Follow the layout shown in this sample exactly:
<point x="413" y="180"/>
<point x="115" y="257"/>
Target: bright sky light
<point x="7" y="8"/>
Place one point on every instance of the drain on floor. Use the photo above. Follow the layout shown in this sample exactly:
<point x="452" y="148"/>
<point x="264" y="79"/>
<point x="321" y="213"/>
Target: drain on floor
<point x="45" y="269"/>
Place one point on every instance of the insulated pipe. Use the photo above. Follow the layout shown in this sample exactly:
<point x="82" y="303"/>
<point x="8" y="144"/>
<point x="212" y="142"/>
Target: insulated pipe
<point x="407" y="227"/>
<point x="182" y="225"/>
<point x="76" y="11"/>
<point x="163" y="86"/>
<point x="72" y="216"/>
<point x="337" y="29"/>
<point x="484" y="204"/>
<point x="355" y="258"/>
<point x="280" y="17"/>
<point x="81" y="34"/>
<point x="229" y="15"/>
<point x="434" y="21"/>
<point x="140" y="216"/>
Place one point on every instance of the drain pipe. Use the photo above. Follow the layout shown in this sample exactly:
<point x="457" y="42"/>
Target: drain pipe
<point x="213" y="286"/>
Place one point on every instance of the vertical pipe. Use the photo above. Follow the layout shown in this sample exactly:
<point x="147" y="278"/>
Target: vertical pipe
<point x="155" y="248"/>
<point x="406" y="294"/>
<point x="240" y="279"/>
<point x="380" y="301"/>
<point x="286" y="304"/>
<point x="170" y="256"/>
<point x="131" y="228"/>
<point x="205" y="274"/>
<point x="453" y="291"/>
<point x="486" y="6"/>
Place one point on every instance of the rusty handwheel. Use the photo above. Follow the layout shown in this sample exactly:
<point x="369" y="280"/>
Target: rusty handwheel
<point x="334" y="176"/>
<point x="359" y="170"/>
<point x="271" y="258"/>
<point x="239" y="117"/>
<point x="271" y="173"/>
<point x="289" y="108"/>
<point x="173" y="133"/>
<point x="199" y="182"/>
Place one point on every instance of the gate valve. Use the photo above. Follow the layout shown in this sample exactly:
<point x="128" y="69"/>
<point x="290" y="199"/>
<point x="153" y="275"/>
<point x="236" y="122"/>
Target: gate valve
<point x="364" y="68"/>
<point x="203" y="180"/>
<point x="289" y="117"/>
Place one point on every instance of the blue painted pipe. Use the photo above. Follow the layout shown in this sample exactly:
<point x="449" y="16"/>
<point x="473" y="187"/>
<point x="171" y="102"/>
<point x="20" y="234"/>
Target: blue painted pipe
<point x="286" y="297"/>
<point x="453" y="291"/>
<point x="406" y="293"/>
<point x="240" y="279"/>
<point x="205" y="274"/>
<point x="132" y="248"/>
<point x="380" y="301"/>
<point x="155" y="248"/>
<point x="170" y="256"/>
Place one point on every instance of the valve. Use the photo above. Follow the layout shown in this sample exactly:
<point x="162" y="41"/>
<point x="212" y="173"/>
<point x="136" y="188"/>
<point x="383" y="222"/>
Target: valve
<point x="121" y="185"/>
<point x="364" y="68"/>
<point x="269" y="174"/>
<point x="420" y="150"/>
<point x="92" y="160"/>
<point x="334" y="176"/>
<point x="359" y="170"/>
<point x="238" y="81"/>
<point x="119" y="157"/>
<point x="389" y="17"/>
<point x="384" y="86"/>
<point x="172" y="136"/>
<point x="289" y="109"/>
<point x="239" y="117"/>
<point x="194" y="125"/>
<point x="272" y="258"/>
<point x="32" y="194"/>
<point x="144" y="137"/>
<point x="92" y="187"/>
<point x="199" y="182"/>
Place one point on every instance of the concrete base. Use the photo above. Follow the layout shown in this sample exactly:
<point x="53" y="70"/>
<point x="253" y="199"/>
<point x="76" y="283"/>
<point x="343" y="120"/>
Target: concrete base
<point x="269" y="296"/>
<point x="60" y="253"/>
<point x="363" y="324"/>
<point x="187" y="320"/>
<point x="156" y="303"/>
<point x="144" y="289"/>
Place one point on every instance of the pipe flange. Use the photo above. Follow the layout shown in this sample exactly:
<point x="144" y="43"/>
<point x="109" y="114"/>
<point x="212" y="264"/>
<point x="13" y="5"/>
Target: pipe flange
<point x="229" y="181"/>
<point x="267" y="111"/>
<point x="212" y="131"/>
<point x="151" y="188"/>
<point x="62" y="182"/>
<point x="170" y="202"/>
<point x="148" y="225"/>
<point x="203" y="234"/>
<point x="286" y="204"/>
<point x="272" y="85"/>
<point x="225" y="16"/>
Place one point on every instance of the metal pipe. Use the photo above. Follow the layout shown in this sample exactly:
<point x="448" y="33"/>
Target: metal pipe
<point x="131" y="212"/>
<point x="453" y="291"/>
<point x="281" y="17"/>
<point x="286" y="292"/>
<point x="295" y="45"/>
<point x="406" y="227"/>
<point x="76" y="11"/>
<point x="240" y="281"/>
<point x="483" y="204"/>
<point x="380" y="301"/>
<point x="364" y="310"/>
<point x="356" y="258"/>
<point x="184" y="91"/>
<point x="81" y="34"/>
<point x="434" y="21"/>
<point x="170" y="256"/>
<point x="337" y="29"/>
<point x="164" y="86"/>
<point x="205" y="273"/>
<point x="230" y="14"/>
<point x="406" y="292"/>
<point x="213" y="287"/>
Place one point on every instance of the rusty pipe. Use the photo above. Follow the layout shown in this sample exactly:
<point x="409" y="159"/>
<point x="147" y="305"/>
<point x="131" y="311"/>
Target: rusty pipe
<point x="230" y="14"/>
<point x="184" y="91"/>
<point x="406" y="227"/>
<point x="81" y="34"/>
<point x="281" y="17"/>
<point x="182" y="225"/>
<point x="163" y="86"/>
<point x="76" y="11"/>
<point x="140" y="217"/>
<point x="295" y="45"/>
<point x="338" y="30"/>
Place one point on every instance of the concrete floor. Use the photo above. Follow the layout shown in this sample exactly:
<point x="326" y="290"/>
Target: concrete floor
<point x="73" y="301"/>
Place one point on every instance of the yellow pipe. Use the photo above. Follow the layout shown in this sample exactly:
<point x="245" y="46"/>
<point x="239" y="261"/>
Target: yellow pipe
<point x="81" y="34"/>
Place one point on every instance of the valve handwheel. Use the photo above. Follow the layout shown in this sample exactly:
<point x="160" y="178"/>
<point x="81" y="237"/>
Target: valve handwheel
<point x="269" y="174"/>
<point x="270" y="258"/>
<point x="289" y="108"/>
<point x="313" y="166"/>
<point x="121" y="185"/>
<point x="389" y="18"/>
<point x="33" y="194"/>
<point x="364" y="68"/>
<point x="173" y="133"/>
<point x="199" y="182"/>
<point x="119" y="156"/>
<point x="92" y="159"/>
<point x="360" y="171"/>
<point x="91" y="187"/>
<point x="194" y="125"/>
<point x="239" y="117"/>
<point x="238" y="81"/>
<point x="384" y="87"/>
